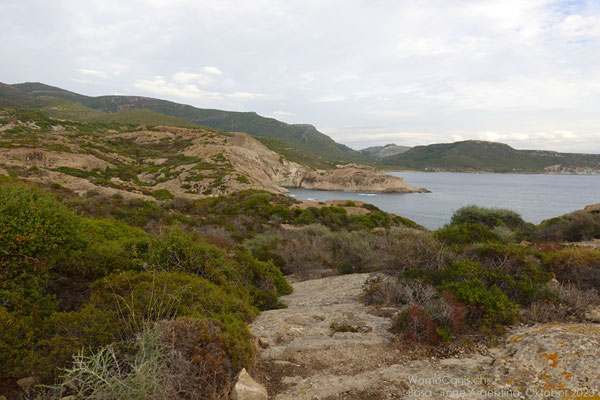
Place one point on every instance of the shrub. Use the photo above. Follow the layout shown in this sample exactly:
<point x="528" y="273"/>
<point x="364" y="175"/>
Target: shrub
<point x="110" y="246"/>
<point x="575" y="227"/>
<point x="487" y="307"/>
<point x="184" y="252"/>
<point x="264" y="280"/>
<point x="427" y="315"/>
<point x="490" y="291"/>
<point x="111" y="374"/>
<point x="242" y="179"/>
<point x="179" y="251"/>
<point x="162" y="194"/>
<point x="402" y="249"/>
<point x="465" y="234"/>
<point x="516" y="270"/>
<point x="142" y="298"/>
<point x="575" y="265"/>
<point x="490" y="217"/>
<point x="67" y="333"/>
<point x="571" y="304"/>
<point x="198" y="361"/>
<point x="35" y="231"/>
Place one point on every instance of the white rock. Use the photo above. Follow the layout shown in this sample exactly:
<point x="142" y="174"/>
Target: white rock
<point x="247" y="388"/>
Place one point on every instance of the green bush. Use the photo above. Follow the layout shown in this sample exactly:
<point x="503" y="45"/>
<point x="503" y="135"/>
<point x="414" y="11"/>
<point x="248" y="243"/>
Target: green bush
<point x="179" y="251"/>
<point x="575" y="227"/>
<point x="65" y="334"/>
<point x="465" y="234"/>
<point x="162" y="194"/>
<point x="110" y="246"/>
<point x="490" y="217"/>
<point x="515" y="269"/>
<point x="176" y="250"/>
<point x="488" y="307"/>
<point x="140" y="299"/>
<point x="35" y="231"/>
<point x="491" y="287"/>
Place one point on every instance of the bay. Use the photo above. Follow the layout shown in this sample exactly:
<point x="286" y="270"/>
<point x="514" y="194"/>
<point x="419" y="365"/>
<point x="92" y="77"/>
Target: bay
<point x="535" y="196"/>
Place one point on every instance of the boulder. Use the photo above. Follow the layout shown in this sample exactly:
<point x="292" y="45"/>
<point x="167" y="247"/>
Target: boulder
<point x="247" y="388"/>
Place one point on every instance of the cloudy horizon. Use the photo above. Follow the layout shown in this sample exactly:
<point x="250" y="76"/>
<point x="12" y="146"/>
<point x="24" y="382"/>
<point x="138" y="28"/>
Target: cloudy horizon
<point x="366" y="73"/>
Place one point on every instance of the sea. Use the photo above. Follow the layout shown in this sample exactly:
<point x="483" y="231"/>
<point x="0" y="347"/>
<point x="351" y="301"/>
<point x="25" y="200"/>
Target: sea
<point x="535" y="196"/>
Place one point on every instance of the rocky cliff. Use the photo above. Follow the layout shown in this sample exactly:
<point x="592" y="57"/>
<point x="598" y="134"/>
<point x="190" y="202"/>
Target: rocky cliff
<point x="357" y="178"/>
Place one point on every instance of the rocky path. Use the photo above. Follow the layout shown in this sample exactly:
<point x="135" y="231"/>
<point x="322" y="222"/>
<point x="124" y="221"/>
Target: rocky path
<point x="308" y="355"/>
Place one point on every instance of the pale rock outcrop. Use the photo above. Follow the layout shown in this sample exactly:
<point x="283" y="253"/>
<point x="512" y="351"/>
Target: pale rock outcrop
<point x="355" y="177"/>
<point x="308" y="359"/>
<point x="274" y="172"/>
<point x="247" y="388"/>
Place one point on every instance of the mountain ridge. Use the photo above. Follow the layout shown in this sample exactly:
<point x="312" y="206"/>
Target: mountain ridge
<point x="484" y="156"/>
<point x="302" y="136"/>
<point x="301" y="143"/>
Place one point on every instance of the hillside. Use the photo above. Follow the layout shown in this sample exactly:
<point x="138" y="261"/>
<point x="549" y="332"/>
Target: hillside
<point x="161" y="161"/>
<point x="476" y="155"/>
<point x="299" y="136"/>
<point x="385" y="151"/>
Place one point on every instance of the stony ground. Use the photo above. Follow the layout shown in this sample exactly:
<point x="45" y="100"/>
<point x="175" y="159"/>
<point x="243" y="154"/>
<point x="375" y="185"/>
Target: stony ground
<point x="305" y="358"/>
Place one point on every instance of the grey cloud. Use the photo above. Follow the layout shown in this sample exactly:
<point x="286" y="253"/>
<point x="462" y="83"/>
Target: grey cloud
<point x="419" y="72"/>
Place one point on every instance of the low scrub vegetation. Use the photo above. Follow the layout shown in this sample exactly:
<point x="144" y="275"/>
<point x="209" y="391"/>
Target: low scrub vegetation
<point x="111" y="294"/>
<point x="108" y="298"/>
<point x="486" y="279"/>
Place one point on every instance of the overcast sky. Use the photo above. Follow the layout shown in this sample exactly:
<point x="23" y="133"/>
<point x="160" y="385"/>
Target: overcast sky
<point x="523" y="72"/>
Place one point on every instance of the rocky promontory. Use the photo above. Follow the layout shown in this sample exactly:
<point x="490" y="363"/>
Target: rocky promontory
<point x="355" y="177"/>
<point x="185" y="162"/>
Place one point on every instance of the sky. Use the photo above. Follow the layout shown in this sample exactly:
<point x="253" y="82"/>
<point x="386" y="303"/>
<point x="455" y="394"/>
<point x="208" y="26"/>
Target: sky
<point x="365" y="72"/>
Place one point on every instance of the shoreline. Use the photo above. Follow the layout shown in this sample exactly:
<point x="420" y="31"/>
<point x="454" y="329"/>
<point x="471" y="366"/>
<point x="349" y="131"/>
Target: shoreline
<point x="387" y="171"/>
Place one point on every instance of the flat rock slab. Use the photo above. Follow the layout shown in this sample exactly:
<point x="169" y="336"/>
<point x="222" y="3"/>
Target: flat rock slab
<point x="307" y="359"/>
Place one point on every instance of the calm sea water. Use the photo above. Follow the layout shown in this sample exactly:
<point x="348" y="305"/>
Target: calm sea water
<point x="535" y="197"/>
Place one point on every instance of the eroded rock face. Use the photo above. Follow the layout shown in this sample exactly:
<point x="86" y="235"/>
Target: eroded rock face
<point x="247" y="388"/>
<point x="358" y="178"/>
<point x="273" y="171"/>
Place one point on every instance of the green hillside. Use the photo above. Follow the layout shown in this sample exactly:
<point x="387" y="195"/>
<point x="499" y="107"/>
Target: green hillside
<point x="60" y="103"/>
<point x="142" y="117"/>
<point x="476" y="155"/>
<point x="305" y="138"/>
<point x="10" y="96"/>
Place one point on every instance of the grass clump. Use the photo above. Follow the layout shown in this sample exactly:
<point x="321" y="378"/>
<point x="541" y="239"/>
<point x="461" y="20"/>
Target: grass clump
<point x="343" y="327"/>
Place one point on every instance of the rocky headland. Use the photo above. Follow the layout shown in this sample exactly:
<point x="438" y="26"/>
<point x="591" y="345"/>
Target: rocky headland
<point x="187" y="162"/>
